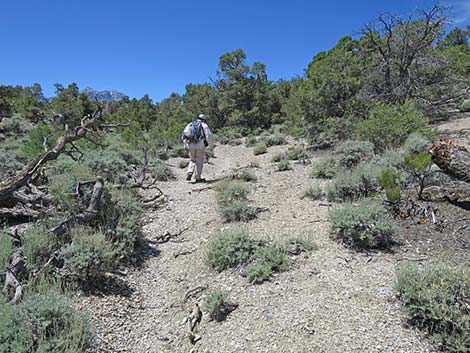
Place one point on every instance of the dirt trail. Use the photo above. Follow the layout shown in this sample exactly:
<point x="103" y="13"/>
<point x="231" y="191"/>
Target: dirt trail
<point x="331" y="300"/>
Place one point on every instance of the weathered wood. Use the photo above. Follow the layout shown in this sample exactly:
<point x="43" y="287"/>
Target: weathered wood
<point x="452" y="159"/>
<point x="458" y="191"/>
<point x="15" y="269"/>
<point x="85" y="216"/>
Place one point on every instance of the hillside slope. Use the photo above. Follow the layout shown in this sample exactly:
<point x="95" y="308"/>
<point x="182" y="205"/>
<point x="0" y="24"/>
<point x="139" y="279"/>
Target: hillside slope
<point x="331" y="299"/>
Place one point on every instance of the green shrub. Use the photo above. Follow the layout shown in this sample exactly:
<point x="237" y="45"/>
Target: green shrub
<point x="278" y="157"/>
<point x="362" y="182"/>
<point x="230" y="250"/>
<point x="362" y="226"/>
<point x="232" y="199"/>
<point x="5" y="250"/>
<point x="325" y="168"/>
<point x="251" y="141"/>
<point x="259" y="260"/>
<point x="44" y="322"/>
<point x="314" y="193"/>
<point x="178" y="151"/>
<point x="297" y="154"/>
<point x="275" y="140"/>
<point x="304" y="243"/>
<point x="260" y="148"/>
<point x="436" y="300"/>
<point x="416" y="143"/>
<point x="39" y="246"/>
<point x="215" y="304"/>
<point x="418" y="166"/>
<point x="465" y="106"/>
<point x="283" y="166"/>
<point x="390" y="125"/>
<point x="120" y="220"/>
<point x="88" y="256"/>
<point x="389" y="180"/>
<point x="244" y="175"/>
<point x="350" y="153"/>
<point x="160" y="171"/>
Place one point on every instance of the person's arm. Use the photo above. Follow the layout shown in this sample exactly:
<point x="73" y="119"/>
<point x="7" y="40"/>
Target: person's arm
<point x="208" y="135"/>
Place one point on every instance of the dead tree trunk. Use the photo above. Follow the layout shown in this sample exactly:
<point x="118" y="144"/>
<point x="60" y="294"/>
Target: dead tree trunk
<point x="16" y="268"/>
<point x="85" y="216"/>
<point x="452" y="159"/>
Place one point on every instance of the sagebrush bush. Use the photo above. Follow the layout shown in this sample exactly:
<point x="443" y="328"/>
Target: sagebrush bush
<point x="215" y="304"/>
<point x="259" y="260"/>
<point x="119" y="219"/>
<point x="283" y="165"/>
<point x="362" y="182"/>
<point x="325" y="168"/>
<point x="178" y="151"/>
<point x="251" y="141"/>
<point x="231" y="249"/>
<point x="89" y="254"/>
<point x="390" y="125"/>
<point x="416" y="143"/>
<point x="313" y="193"/>
<point x="350" y="153"/>
<point x="278" y="157"/>
<point x="5" y="250"/>
<point x="297" y="154"/>
<point x="260" y="148"/>
<point x="39" y="246"/>
<point x="362" y="226"/>
<point x="275" y="140"/>
<point x="160" y="171"/>
<point x="232" y="201"/>
<point x="243" y="174"/>
<point x="44" y="322"/>
<point x="465" y="106"/>
<point x="304" y="243"/>
<point x="436" y="300"/>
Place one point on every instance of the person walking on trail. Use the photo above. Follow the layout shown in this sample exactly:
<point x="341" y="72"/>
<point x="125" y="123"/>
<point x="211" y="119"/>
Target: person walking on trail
<point x="196" y="137"/>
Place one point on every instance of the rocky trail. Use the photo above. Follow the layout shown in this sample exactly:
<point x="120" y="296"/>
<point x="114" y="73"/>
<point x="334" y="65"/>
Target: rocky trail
<point x="331" y="299"/>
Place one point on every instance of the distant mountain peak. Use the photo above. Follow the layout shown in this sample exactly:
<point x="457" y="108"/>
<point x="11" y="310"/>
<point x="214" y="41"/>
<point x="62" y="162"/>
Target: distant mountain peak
<point x="104" y="96"/>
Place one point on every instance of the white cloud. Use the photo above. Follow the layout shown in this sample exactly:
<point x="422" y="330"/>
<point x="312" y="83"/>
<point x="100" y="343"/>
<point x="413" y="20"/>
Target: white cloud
<point x="460" y="11"/>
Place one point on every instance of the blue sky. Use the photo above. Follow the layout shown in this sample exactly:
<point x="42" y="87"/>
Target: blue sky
<point x="157" y="47"/>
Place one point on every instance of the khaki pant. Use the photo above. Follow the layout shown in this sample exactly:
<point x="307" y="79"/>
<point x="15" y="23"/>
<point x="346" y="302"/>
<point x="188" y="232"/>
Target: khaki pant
<point x="196" y="162"/>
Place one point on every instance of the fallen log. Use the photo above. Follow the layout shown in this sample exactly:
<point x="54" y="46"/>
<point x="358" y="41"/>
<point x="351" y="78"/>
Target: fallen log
<point x="452" y="159"/>
<point x="457" y="191"/>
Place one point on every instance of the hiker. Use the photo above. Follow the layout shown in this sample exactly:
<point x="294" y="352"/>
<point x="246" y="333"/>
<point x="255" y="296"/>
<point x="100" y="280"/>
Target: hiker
<point x="196" y="137"/>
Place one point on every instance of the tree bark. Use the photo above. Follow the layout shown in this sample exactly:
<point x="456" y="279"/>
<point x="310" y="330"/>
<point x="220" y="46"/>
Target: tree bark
<point x="16" y="268"/>
<point x="452" y="159"/>
<point x="85" y="216"/>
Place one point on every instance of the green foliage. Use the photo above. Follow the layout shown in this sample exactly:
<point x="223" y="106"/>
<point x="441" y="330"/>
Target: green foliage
<point x="260" y="148"/>
<point x="390" y="125"/>
<point x="278" y="157"/>
<point x="259" y="259"/>
<point x="275" y="140"/>
<point x="215" y="303"/>
<point x="436" y="300"/>
<point x="416" y="143"/>
<point x="362" y="226"/>
<point x="465" y="106"/>
<point x="350" y="153"/>
<point x="44" y="322"/>
<point x="325" y="168"/>
<point x="283" y="165"/>
<point x="230" y="250"/>
<point x="119" y="220"/>
<point x="313" y="193"/>
<point x="5" y="250"/>
<point x="89" y="254"/>
<point x="251" y="141"/>
<point x="39" y="246"/>
<point x="389" y="180"/>
<point x="354" y="185"/>
<point x="243" y="174"/>
<point x="232" y="201"/>
<point x="267" y="259"/>
<point x="419" y="162"/>
<point x="304" y="243"/>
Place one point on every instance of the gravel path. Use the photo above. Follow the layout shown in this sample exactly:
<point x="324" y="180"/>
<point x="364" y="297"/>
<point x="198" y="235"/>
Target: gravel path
<point x="331" y="300"/>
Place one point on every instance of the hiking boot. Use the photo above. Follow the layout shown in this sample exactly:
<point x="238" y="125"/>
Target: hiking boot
<point x="189" y="176"/>
<point x="197" y="181"/>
